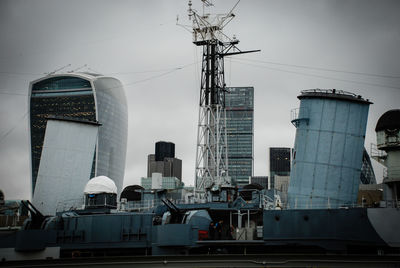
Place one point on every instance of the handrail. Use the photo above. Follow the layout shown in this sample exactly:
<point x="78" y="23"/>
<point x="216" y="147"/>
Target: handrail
<point x="266" y="202"/>
<point x="329" y="91"/>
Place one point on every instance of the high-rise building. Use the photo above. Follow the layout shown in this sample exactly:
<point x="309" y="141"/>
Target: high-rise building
<point x="262" y="180"/>
<point x="164" y="161"/>
<point x="83" y="96"/>
<point x="281" y="184"/>
<point x="279" y="163"/>
<point x="164" y="149"/>
<point x="367" y="175"/>
<point x="239" y="103"/>
<point x="65" y="164"/>
<point x="168" y="183"/>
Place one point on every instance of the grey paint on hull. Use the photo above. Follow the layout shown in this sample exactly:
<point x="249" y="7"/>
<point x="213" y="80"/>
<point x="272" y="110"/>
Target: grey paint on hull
<point x="386" y="222"/>
<point x="333" y="229"/>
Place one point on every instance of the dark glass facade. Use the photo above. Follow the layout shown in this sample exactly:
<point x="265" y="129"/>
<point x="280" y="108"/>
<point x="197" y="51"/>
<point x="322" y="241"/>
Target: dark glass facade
<point x="86" y="97"/>
<point x="239" y="102"/>
<point x="164" y="149"/>
<point x="279" y="163"/>
<point x="60" y="96"/>
<point x="262" y="180"/>
<point x="367" y="175"/>
<point x="62" y="83"/>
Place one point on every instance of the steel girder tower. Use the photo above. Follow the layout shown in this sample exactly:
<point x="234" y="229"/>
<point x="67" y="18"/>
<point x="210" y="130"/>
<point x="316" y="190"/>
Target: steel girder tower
<point x="211" y="153"/>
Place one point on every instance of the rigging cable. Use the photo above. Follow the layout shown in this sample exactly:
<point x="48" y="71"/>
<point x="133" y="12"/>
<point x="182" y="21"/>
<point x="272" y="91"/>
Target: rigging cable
<point x="314" y="75"/>
<point x="3" y="136"/>
<point x="156" y="76"/>
<point x="321" y="69"/>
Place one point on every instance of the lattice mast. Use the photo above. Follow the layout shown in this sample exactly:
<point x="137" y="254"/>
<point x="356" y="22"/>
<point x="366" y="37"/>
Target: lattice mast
<point x="211" y="153"/>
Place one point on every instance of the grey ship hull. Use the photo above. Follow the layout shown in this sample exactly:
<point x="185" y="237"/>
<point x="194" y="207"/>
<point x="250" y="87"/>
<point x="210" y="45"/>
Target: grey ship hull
<point x="333" y="229"/>
<point x="356" y="230"/>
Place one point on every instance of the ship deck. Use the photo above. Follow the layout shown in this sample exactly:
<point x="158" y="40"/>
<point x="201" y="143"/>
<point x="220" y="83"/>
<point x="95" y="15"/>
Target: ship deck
<point x="265" y="260"/>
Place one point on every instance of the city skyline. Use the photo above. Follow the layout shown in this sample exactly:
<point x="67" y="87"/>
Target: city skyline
<point x="350" y="45"/>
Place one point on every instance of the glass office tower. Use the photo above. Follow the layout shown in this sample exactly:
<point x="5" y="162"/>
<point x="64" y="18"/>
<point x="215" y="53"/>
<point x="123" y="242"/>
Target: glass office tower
<point x="279" y="163"/>
<point x="367" y="175"/>
<point x="84" y="96"/>
<point x="239" y="102"/>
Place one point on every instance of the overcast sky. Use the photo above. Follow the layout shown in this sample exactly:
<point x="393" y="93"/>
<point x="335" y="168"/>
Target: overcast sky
<point x="139" y="43"/>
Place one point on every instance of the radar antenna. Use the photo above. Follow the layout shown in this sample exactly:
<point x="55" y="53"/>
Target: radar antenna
<point x="211" y="153"/>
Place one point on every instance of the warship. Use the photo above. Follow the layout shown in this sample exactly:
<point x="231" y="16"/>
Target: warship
<point x="251" y="220"/>
<point x="219" y="219"/>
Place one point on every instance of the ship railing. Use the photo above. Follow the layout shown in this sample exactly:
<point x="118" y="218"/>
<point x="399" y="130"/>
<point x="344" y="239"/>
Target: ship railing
<point x="327" y="205"/>
<point x="145" y="205"/>
<point x="70" y="204"/>
<point x="377" y="154"/>
<point x="322" y="205"/>
<point x="142" y="205"/>
<point x="12" y="221"/>
<point x="294" y="114"/>
<point x="297" y="115"/>
<point x="317" y="202"/>
<point x="390" y="203"/>
<point x="187" y="201"/>
<point x="329" y="91"/>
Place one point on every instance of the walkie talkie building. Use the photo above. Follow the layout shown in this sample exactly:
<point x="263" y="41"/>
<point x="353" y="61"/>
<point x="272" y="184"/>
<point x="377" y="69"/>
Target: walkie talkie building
<point x="84" y="96"/>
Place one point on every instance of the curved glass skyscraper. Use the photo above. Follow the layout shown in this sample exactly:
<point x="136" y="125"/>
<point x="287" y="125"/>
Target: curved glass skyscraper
<point x="84" y="96"/>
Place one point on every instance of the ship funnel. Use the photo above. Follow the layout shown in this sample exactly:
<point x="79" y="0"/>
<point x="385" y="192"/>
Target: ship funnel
<point x="327" y="158"/>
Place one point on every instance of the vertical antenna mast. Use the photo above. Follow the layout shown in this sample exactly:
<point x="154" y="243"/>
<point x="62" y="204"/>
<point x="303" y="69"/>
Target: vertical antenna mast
<point x="211" y="153"/>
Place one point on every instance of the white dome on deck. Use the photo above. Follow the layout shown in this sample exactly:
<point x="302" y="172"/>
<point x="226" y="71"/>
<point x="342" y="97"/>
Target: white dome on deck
<point x="100" y="184"/>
